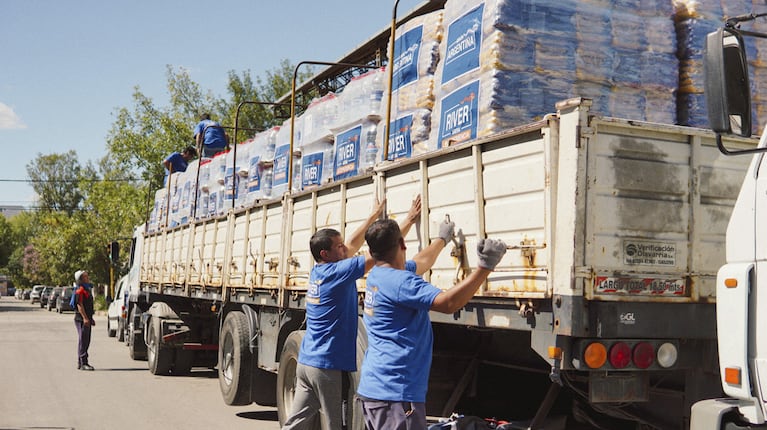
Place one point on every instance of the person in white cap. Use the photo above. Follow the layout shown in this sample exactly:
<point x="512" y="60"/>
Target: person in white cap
<point x="83" y="317"/>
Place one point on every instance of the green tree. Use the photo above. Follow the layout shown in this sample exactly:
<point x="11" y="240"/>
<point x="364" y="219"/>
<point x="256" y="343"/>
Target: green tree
<point x="55" y="178"/>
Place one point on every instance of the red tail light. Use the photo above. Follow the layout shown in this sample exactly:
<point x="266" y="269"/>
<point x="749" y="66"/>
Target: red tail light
<point x="620" y="355"/>
<point x="644" y="355"/>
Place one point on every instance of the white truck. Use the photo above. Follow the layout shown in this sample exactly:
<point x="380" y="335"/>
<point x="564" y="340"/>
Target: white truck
<point x="740" y="317"/>
<point x="615" y="229"/>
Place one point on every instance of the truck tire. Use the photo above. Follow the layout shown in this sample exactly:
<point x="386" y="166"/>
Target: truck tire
<point x="136" y="345"/>
<point x="286" y="378"/>
<point x="234" y="360"/>
<point x="159" y="358"/>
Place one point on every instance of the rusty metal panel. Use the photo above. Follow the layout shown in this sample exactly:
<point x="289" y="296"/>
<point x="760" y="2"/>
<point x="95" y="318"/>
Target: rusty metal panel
<point x="657" y="204"/>
<point x="299" y="259"/>
<point x="271" y="265"/>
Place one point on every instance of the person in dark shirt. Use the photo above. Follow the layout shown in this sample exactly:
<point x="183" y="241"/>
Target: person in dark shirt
<point x="178" y="162"/>
<point x="83" y="317"/>
<point x="209" y="136"/>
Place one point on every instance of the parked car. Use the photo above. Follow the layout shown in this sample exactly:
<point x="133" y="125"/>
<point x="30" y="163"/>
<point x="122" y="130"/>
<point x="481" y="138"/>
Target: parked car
<point x="62" y="302"/>
<point x="44" y="296"/>
<point x="51" y="304"/>
<point x="37" y="291"/>
<point x="12" y="291"/>
<point x="116" y="312"/>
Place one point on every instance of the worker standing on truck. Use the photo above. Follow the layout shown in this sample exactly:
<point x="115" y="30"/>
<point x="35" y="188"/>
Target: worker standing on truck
<point x="209" y="136"/>
<point x="329" y="348"/>
<point x="395" y="372"/>
<point x="83" y="317"/>
<point x="178" y="162"/>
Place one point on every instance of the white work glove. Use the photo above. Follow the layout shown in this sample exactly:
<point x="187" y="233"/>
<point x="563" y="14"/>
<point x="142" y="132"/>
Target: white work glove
<point x="447" y="231"/>
<point x="490" y="252"/>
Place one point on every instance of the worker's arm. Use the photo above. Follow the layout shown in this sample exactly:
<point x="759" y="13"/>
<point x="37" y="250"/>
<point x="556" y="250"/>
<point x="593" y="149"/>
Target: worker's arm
<point x="426" y="258"/>
<point x="489" y="252"/>
<point x="357" y="238"/>
<point x="412" y="216"/>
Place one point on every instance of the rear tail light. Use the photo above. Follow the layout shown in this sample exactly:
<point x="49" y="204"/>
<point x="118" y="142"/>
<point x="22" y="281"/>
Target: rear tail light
<point x="625" y="354"/>
<point x="620" y="355"/>
<point x="595" y="355"/>
<point x="667" y="355"/>
<point x="644" y="355"/>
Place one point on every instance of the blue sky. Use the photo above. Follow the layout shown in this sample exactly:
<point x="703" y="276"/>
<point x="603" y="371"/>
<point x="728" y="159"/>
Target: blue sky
<point x="67" y="65"/>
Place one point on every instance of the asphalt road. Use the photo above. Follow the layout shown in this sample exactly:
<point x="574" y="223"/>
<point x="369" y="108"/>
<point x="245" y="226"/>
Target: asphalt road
<point x="41" y="388"/>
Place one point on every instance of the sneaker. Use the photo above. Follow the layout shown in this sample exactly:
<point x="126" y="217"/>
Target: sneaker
<point x="86" y="367"/>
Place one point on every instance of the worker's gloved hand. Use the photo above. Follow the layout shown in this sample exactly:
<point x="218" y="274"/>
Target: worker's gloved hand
<point x="447" y="231"/>
<point x="490" y="252"/>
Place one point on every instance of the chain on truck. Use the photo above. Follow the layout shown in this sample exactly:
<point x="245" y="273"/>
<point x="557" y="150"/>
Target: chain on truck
<point x="603" y="308"/>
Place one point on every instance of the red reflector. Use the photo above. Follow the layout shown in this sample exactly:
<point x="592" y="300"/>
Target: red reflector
<point x="620" y="355"/>
<point x="644" y="355"/>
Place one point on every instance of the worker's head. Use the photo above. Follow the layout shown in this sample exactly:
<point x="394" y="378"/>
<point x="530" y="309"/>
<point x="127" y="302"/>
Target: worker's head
<point x="385" y="241"/>
<point x="81" y="276"/>
<point x="189" y="153"/>
<point x="204" y="116"/>
<point x="327" y="246"/>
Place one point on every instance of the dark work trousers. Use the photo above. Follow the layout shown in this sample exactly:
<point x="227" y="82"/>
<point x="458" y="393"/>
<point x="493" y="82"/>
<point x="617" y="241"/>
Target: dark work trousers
<point x="83" y="342"/>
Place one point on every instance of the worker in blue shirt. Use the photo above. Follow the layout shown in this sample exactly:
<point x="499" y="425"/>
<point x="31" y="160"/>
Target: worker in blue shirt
<point x="209" y="136"/>
<point x="395" y="372"/>
<point x="178" y="162"/>
<point x="329" y="349"/>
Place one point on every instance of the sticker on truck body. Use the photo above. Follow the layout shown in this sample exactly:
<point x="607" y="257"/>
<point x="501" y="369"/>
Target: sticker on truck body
<point x="646" y="253"/>
<point x="640" y="286"/>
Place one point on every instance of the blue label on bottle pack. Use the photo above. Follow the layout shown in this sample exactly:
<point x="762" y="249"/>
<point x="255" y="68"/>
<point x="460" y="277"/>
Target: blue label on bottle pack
<point x="406" y="49"/>
<point x="347" y="153"/>
<point x="464" y="40"/>
<point x="254" y="175"/>
<point x="232" y="184"/>
<point x="400" y="145"/>
<point x="460" y="115"/>
<point x="281" y="166"/>
<point x="311" y="169"/>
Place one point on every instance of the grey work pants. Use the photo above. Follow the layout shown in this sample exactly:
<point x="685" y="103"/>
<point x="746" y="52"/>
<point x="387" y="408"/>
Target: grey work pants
<point x="386" y="415"/>
<point x="316" y="389"/>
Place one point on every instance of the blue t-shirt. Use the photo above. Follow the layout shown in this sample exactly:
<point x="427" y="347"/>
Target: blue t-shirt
<point x="396" y="315"/>
<point x="214" y="136"/>
<point x="331" y="315"/>
<point x="177" y="162"/>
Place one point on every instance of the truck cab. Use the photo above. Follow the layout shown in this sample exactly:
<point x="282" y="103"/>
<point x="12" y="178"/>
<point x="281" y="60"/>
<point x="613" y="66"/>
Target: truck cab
<point x="740" y="313"/>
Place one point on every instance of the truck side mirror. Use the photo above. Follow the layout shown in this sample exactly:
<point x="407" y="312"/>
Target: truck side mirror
<point x="728" y="94"/>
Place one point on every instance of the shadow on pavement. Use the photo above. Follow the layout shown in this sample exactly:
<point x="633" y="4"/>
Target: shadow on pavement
<point x="259" y="415"/>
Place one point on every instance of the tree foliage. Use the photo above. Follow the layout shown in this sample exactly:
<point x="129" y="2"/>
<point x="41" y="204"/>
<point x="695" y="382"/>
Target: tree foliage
<point x="54" y="178"/>
<point x="84" y="207"/>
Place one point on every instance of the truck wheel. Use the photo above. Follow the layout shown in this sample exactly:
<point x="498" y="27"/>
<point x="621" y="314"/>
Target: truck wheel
<point x="120" y="330"/>
<point x="159" y="359"/>
<point x="286" y="378"/>
<point x="234" y="360"/>
<point x="136" y="345"/>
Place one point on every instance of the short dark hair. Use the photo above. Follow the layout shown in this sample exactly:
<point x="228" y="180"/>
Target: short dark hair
<point x="322" y="240"/>
<point x="191" y="150"/>
<point x="204" y="116"/>
<point x="383" y="239"/>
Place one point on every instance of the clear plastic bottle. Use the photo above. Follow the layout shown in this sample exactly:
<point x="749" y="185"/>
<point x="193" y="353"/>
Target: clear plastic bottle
<point x="271" y="144"/>
<point x="371" y="148"/>
<point x="376" y="94"/>
<point x="296" y="171"/>
<point x="266" y="185"/>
